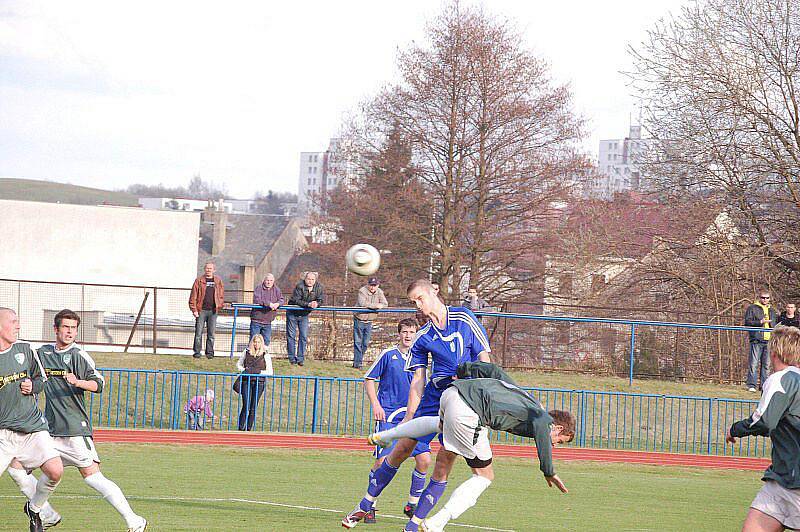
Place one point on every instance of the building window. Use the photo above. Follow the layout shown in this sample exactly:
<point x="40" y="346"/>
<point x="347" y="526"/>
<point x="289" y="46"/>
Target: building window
<point x="310" y="158"/>
<point x="309" y="181"/>
<point x="609" y="156"/>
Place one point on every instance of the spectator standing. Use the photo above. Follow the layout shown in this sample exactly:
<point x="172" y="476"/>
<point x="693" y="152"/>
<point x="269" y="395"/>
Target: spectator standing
<point x="205" y="300"/>
<point x="759" y="314"/>
<point x="254" y="362"/>
<point x="475" y="303"/>
<point x="198" y="409"/>
<point x="308" y="295"/>
<point x="369" y="296"/>
<point x="270" y="296"/>
<point x="789" y="316"/>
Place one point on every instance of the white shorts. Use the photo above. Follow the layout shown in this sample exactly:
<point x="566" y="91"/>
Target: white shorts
<point x="77" y="451"/>
<point x="32" y="450"/>
<point x="461" y="430"/>
<point x="780" y="503"/>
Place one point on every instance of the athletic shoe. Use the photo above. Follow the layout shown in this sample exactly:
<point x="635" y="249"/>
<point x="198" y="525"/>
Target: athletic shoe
<point x="196" y="355"/>
<point x="299" y="363"/>
<point x="51" y="519"/>
<point x="426" y="526"/>
<point x="409" y="510"/>
<point x="352" y="519"/>
<point x="141" y="527"/>
<point x="369" y="518"/>
<point x="35" y="520"/>
<point x="373" y="439"/>
<point x="751" y="389"/>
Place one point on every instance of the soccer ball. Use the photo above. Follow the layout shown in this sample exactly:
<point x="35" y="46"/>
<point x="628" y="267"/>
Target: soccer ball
<point x="363" y="259"/>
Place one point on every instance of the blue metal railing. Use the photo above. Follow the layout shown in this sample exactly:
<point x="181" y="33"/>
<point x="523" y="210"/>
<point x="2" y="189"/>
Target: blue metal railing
<point x="339" y="406"/>
<point x="633" y="324"/>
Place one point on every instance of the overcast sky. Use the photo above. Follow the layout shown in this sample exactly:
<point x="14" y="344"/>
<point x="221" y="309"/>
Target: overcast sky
<point x="108" y="93"/>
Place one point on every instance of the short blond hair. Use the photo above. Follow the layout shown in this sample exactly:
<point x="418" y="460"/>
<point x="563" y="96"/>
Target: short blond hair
<point x="784" y="343"/>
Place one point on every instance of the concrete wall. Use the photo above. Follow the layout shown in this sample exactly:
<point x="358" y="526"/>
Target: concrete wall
<point x="88" y="244"/>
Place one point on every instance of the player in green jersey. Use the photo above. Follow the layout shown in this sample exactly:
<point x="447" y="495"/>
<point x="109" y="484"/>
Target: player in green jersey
<point x="71" y="372"/>
<point x="23" y="428"/>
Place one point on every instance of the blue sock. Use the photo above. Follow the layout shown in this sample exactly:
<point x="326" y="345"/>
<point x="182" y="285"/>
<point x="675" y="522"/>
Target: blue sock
<point x="417" y="485"/>
<point x="411" y="526"/>
<point x="429" y="498"/>
<point x="380" y="478"/>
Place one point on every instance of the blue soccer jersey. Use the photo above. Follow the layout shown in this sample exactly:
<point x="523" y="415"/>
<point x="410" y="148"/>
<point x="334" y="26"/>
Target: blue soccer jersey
<point x="462" y="340"/>
<point x="390" y="369"/>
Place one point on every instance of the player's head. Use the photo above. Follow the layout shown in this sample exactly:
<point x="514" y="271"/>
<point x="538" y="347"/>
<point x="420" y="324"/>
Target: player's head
<point x="407" y="328"/>
<point x="65" y="324"/>
<point x="423" y="295"/>
<point x="784" y="345"/>
<point x="9" y="326"/>
<point x="563" y="428"/>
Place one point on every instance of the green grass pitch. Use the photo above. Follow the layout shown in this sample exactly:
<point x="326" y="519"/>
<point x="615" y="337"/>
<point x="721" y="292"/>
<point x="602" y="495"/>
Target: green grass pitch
<point x="227" y="488"/>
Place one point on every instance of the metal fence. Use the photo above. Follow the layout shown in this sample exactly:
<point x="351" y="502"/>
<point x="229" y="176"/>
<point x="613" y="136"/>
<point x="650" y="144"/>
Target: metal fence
<point x="158" y="320"/>
<point x="339" y="406"/>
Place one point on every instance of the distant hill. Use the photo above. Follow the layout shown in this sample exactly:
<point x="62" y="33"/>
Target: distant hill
<point x="50" y="192"/>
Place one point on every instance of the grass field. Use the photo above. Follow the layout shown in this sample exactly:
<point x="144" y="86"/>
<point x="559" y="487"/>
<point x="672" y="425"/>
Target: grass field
<point x="52" y="192"/>
<point x="569" y="381"/>
<point x="225" y="488"/>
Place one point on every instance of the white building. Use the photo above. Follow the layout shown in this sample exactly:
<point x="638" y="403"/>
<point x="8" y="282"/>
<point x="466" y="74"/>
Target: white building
<point x="189" y="205"/>
<point x="617" y="166"/>
<point x="320" y="171"/>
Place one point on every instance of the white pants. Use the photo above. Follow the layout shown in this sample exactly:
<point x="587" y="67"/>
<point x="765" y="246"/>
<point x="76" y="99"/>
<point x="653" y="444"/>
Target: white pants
<point x="462" y="432"/>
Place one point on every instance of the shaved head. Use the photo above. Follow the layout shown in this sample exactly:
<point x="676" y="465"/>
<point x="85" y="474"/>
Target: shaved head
<point x="9" y="328"/>
<point x="6" y="312"/>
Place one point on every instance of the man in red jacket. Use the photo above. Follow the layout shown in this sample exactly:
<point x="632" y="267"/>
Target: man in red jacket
<point x="206" y="298"/>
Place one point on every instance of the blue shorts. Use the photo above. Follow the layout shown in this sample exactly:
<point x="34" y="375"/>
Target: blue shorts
<point x="429" y="406"/>
<point x="422" y="447"/>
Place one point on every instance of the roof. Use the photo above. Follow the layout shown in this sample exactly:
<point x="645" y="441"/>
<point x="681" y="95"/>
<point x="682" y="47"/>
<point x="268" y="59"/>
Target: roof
<point x="248" y="239"/>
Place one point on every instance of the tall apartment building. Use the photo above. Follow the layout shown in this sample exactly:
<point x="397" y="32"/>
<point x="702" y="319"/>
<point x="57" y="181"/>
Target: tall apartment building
<point x="320" y="171"/>
<point x="617" y="165"/>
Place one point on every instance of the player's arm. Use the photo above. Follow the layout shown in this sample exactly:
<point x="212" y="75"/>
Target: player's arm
<point x="480" y="340"/>
<point x="415" y="392"/>
<point x="377" y="409"/>
<point x="34" y="384"/>
<point x="775" y="400"/>
<point x="544" y="449"/>
<point x="84" y="375"/>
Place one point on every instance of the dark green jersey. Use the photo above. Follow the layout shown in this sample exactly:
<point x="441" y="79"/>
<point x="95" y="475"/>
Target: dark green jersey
<point x="778" y="416"/>
<point x="501" y="405"/>
<point x="65" y="409"/>
<point x="483" y="370"/>
<point x="19" y="412"/>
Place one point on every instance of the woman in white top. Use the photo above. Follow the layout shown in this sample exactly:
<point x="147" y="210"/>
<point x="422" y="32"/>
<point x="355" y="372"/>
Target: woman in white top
<point x="254" y="362"/>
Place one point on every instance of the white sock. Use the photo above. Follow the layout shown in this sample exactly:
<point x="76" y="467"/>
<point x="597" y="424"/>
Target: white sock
<point x="415" y="428"/>
<point x="44" y="488"/>
<point x="27" y="485"/>
<point x="114" y="496"/>
<point x="462" y="499"/>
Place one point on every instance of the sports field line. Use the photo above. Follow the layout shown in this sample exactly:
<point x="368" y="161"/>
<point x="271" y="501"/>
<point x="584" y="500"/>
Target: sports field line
<point x="253" y="501"/>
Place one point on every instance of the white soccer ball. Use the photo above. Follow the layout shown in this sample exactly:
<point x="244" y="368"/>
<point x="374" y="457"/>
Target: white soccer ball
<point x="363" y="259"/>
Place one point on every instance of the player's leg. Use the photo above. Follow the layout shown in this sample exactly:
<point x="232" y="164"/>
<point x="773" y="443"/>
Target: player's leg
<point x="434" y="490"/>
<point x="462" y="499"/>
<point x="211" y="330"/>
<point x="291" y="337"/>
<point x="758" y="521"/>
<point x="113" y="494"/>
<point x="422" y="462"/>
<point x="26" y="483"/>
<point x="379" y="479"/>
<point x="302" y="327"/>
<point x="414" y="428"/>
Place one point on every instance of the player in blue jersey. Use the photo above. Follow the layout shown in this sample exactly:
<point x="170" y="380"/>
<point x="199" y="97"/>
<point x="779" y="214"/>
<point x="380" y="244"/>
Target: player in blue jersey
<point x="389" y="405"/>
<point x="451" y="337"/>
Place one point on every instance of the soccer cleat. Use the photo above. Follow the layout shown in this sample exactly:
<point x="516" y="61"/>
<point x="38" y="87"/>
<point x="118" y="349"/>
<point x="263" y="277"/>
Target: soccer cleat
<point x="35" y="520"/>
<point x="141" y="527"/>
<point x="352" y="519"/>
<point x="373" y="439"/>
<point x="50" y="520"/>
<point x="409" y="510"/>
<point x="426" y="526"/>
<point x="369" y="518"/>
<point x="751" y="389"/>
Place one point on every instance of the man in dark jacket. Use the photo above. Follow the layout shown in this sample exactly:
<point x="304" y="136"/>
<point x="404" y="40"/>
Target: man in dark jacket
<point x="307" y="294"/>
<point x="789" y="316"/>
<point x="759" y="314"/>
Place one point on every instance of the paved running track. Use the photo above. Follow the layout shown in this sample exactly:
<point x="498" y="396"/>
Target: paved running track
<point x="332" y="443"/>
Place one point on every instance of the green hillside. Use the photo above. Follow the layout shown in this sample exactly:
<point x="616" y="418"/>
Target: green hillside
<point x="50" y="192"/>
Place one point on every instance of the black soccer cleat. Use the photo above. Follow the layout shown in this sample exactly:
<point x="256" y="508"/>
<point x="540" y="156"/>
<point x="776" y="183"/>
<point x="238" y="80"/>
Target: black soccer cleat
<point x="409" y="510"/>
<point x="35" y="520"/>
<point x="370" y="518"/>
